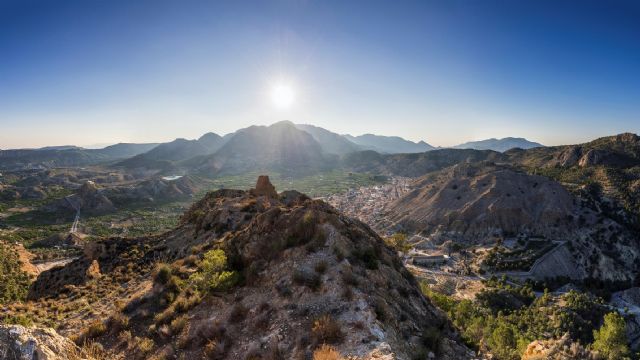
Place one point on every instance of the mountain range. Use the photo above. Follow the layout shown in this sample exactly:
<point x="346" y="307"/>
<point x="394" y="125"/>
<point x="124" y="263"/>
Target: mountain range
<point x="292" y="274"/>
<point x="49" y="157"/>
<point x="283" y="144"/>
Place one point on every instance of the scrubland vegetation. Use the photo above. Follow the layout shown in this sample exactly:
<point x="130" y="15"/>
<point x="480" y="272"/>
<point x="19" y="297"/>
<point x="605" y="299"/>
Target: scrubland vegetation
<point x="504" y="319"/>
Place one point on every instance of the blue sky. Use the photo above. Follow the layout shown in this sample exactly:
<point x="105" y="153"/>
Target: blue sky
<point x="103" y="71"/>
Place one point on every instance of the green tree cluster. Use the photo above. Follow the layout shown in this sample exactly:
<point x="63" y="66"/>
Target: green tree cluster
<point x="14" y="283"/>
<point x="506" y="332"/>
<point x="399" y="242"/>
<point x="610" y="341"/>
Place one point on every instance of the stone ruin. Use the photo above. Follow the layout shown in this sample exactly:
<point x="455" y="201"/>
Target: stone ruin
<point x="264" y="187"/>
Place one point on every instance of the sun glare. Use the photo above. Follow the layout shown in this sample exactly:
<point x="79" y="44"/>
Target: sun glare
<point x="282" y="95"/>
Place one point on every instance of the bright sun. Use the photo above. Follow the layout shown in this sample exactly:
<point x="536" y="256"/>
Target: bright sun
<point x="282" y="95"/>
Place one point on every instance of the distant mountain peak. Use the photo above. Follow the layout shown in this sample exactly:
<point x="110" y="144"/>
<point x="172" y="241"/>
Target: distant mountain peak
<point x="283" y="123"/>
<point x="389" y="144"/>
<point x="500" y="145"/>
<point x="209" y="135"/>
<point x="330" y="142"/>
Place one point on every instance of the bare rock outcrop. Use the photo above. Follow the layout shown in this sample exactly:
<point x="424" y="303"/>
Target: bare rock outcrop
<point x="89" y="198"/>
<point x="264" y="187"/>
<point x="93" y="272"/>
<point x="20" y="343"/>
<point x="560" y="349"/>
<point x="591" y="158"/>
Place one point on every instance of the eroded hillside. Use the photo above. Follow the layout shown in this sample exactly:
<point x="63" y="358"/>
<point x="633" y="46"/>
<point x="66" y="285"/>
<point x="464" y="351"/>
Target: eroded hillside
<point x="483" y="203"/>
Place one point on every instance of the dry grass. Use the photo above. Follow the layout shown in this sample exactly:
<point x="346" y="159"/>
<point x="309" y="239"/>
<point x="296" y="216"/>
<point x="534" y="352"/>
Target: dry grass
<point x="118" y="322"/>
<point x="95" y="329"/>
<point x="90" y="350"/>
<point x="326" y="352"/>
<point x="326" y="329"/>
<point x="178" y="324"/>
<point x="143" y="346"/>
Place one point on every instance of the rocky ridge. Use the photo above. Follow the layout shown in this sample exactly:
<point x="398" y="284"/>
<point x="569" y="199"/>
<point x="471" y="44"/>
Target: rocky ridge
<point x="309" y="276"/>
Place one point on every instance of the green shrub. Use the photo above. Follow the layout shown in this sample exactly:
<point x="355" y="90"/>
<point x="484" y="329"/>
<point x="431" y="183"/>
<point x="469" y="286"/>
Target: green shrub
<point x="23" y="320"/>
<point x="212" y="274"/>
<point x="398" y="242"/>
<point x="162" y="274"/>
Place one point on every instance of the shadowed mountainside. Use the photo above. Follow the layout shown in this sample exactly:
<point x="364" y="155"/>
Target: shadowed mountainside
<point x="388" y="144"/>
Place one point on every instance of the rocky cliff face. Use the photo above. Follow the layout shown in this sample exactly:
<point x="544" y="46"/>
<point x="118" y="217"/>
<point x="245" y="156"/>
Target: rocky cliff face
<point x="309" y="275"/>
<point x="20" y="343"/>
<point x="483" y="200"/>
<point x="89" y="198"/>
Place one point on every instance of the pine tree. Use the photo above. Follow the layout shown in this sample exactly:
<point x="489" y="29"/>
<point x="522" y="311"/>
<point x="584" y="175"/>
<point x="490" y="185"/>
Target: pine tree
<point x="611" y="340"/>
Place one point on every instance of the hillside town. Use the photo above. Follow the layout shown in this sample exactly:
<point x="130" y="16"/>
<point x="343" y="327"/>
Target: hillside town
<point x="367" y="203"/>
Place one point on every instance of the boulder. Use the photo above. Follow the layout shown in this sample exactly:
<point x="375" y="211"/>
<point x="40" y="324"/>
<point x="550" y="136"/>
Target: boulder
<point x="20" y="343"/>
<point x="569" y="157"/>
<point x="93" y="272"/>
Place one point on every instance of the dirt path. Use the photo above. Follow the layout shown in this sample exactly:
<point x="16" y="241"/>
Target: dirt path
<point x="51" y="264"/>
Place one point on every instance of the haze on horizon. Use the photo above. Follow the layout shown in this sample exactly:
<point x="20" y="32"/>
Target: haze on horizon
<point x="446" y="72"/>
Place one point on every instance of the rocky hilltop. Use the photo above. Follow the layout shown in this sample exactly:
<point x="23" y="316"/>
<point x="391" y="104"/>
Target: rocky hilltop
<point x="251" y="274"/>
<point x="94" y="199"/>
<point x="90" y="198"/>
